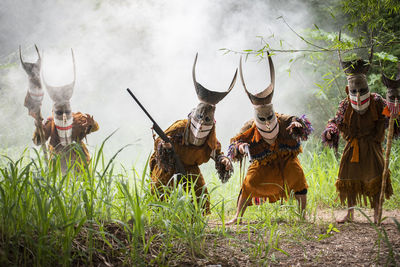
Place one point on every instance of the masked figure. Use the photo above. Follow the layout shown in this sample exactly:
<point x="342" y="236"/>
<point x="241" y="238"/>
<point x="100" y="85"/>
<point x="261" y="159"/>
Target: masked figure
<point x="66" y="129"/>
<point x="360" y="121"/>
<point x="273" y="142"/>
<point x="34" y="96"/>
<point x="393" y="94"/>
<point x="194" y="141"/>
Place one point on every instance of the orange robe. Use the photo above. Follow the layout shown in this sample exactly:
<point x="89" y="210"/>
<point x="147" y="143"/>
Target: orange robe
<point x="82" y="125"/>
<point x="275" y="170"/>
<point x="191" y="156"/>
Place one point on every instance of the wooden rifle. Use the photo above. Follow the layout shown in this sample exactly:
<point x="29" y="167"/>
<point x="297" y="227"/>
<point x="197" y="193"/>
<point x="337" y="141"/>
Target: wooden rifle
<point x="179" y="168"/>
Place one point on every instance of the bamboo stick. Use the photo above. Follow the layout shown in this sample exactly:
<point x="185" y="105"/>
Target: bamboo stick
<point x="386" y="166"/>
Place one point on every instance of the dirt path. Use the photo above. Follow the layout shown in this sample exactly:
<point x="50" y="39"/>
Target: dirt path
<point x="356" y="244"/>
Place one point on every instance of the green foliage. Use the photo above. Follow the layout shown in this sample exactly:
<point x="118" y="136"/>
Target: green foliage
<point x="97" y="213"/>
<point x="329" y="232"/>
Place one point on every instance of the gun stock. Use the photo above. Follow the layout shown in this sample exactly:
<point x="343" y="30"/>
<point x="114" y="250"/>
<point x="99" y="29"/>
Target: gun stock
<point x="179" y="168"/>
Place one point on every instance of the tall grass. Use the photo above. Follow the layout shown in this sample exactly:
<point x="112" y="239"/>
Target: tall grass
<point x="96" y="213"/>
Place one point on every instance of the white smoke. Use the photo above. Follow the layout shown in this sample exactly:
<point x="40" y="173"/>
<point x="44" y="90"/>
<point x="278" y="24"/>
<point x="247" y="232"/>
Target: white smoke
<point x="148" y="46"/>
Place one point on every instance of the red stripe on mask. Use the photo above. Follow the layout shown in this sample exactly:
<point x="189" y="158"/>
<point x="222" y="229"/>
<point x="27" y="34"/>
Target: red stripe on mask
<point x="362" y="103"/>
<point x="64" y="128"/>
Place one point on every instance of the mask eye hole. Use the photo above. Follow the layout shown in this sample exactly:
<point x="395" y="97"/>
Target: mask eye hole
<point x="199" y="116"/>
<point x="59" y="113"/>
<point x="261" y="118"/>
<point x="354" y="91"/>
<point x="207" y="119"/>
<point x="270" y="117"/>
<point x="363" y="91"/>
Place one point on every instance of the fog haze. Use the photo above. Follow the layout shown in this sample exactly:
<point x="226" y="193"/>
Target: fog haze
<point x="148" y="46"/>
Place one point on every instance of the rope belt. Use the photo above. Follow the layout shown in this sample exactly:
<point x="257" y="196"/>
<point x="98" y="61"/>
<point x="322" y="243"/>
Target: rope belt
<point x="356" y="150"/>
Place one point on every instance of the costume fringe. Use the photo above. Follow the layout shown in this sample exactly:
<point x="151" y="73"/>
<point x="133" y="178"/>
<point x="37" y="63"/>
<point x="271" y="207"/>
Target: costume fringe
<point x="274" y="156"/>
<point x="359" y="191"/>
<point x="233" y="151"/>
<point x="82" y="125"/>
<point x="223" y="174"/>
<point x="303" y="132"/>
<point x="334" y="132"/>
<point x="165" y="159"/>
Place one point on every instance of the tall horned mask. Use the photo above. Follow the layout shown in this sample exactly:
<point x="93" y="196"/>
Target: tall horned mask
<point x="61" y="96"/>
<point x="356" y="74"/>
<point x="264" y="115"/>
<point x="34" y="96"/>
<point x="202" y="117"/>
<point x="393" y="92"/>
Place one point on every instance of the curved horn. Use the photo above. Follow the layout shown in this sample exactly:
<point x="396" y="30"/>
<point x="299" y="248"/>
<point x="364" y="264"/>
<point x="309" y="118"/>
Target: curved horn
<point x="389" y="83"/>
<point x="208" y="96"/>
<point x="62" y="93"/>
<point x="20" y="56"/>
<point x="73" y="63"/>
<point x="28" y="66"/>
<point x="37" y="50"/>
<point x="264" y="97"/>
<point x="25" y="65"/>
<point x="355" y="66"/>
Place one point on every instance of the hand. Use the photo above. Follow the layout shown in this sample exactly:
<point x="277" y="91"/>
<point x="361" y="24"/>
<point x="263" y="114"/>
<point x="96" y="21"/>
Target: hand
<point x="328" y="135"/>
<point x="294" y="124"/>
<point x="227" y="163"/>
<point x="242" y="148"/>
<point x="166" y="145"/>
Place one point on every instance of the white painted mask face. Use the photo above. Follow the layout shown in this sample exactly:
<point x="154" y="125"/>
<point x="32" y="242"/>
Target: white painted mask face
<point x="63" y="120"/>
<point x="266" y="121"/>
<point x="392" y="100"/>
<point x="201" y="123"/>
<point x="359" y="93"/>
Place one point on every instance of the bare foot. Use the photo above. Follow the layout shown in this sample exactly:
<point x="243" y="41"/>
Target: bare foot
<point x="233" y="221"/>
<point x="347" y="218"/>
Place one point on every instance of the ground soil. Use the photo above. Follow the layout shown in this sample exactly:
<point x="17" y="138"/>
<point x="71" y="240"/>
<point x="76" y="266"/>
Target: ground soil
<point x="300" y="243"/>
<point x="356" y="244"/>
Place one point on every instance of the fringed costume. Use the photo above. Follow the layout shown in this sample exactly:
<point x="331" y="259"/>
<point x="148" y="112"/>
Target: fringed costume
<point x="275" y="170"/>
<point x="194" y="142"/>
<point x="82" y="125"/>
<point x="361" y="166"/>
<point x="162" y="165"/>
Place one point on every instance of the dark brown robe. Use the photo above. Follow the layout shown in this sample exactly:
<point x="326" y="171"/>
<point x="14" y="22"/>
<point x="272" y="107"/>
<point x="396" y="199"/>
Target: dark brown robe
<point x="361" y="166"/>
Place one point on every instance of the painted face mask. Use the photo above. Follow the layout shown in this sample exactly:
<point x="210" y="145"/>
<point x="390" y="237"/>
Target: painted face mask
<point x="266" y="121"/>
<point x="356" y="71"/>
<point x="202" y="117"/>
<point x="63" y="122"/>
<point x="393" y="93"/>
<point x="359" y="93"/>
<point x="264" y="115"/>
<point x="63" y="119"/>
<point x="201" y="123"/>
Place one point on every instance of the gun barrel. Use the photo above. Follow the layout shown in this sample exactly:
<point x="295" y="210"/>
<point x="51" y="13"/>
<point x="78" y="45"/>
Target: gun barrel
<point x="141" y="106"/>
<point x="180" y="169"/>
